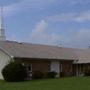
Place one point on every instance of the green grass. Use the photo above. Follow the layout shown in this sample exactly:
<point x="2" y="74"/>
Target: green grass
<point x="73" y="83"/>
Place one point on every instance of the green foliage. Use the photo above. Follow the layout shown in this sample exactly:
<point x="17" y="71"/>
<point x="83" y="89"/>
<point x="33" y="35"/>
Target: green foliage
<point x="87" y="72"/>
<point x="14" y="72"/>
<point x="51" y="74"/>
<point x="37" y="75"/>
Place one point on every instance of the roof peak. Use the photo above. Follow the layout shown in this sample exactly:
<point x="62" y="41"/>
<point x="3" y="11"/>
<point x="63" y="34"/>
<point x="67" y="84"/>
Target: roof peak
<point x="35" y="44"/>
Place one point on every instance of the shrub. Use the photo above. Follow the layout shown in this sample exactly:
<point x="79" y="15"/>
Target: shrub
<point x="37" y="75"/>
<point x="87" y="73"/>
<point x="51" y="74"/>
<point x="14" y="72"/>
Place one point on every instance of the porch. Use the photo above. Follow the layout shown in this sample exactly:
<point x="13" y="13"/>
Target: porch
<point x="80" y="69"/>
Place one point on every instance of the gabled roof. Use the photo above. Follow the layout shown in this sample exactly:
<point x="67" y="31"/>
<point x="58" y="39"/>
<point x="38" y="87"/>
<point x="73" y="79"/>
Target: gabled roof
<point x="27" y="50"/>
<point x="83" y="55"/>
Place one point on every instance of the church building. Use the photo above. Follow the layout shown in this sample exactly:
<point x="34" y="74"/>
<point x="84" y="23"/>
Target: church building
<point x="44" y="58"/>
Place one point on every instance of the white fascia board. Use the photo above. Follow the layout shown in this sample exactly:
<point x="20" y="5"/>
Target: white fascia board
<point x="7" y="53"/>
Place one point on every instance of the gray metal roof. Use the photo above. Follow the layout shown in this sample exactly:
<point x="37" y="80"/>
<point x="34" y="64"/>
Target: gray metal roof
<point x="27" y="50"/>
<point x="83" y="55"/>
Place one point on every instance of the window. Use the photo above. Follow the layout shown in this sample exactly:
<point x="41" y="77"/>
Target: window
<point x="29" y="68"/>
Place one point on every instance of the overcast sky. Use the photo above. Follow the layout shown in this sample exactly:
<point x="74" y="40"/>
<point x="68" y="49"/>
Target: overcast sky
<point x="53" y="22"/>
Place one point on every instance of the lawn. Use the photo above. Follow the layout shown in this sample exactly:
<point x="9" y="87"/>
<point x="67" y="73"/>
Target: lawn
<point x="74" y="83"/>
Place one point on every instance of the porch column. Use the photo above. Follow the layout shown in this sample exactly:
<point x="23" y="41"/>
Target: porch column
<point x="77" y="69"/>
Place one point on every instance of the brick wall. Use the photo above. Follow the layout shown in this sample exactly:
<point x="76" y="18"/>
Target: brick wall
<point x="66" y="68"/>
<point x="43" y="66"/>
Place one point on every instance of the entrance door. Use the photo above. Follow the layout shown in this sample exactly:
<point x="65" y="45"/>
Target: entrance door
<point x="29" y="71"/>
<point x="55" y="66"/>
